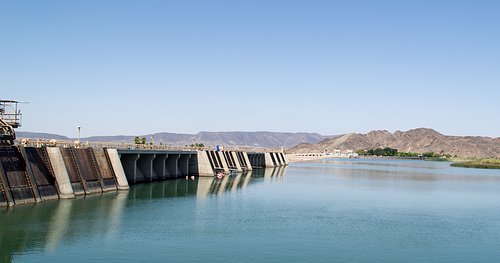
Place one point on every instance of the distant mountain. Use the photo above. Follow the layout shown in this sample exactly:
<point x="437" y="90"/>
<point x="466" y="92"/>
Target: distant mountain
<point x="418" y="140"/>
<point x="245" y="139"/>
<point x="39" y="135"/>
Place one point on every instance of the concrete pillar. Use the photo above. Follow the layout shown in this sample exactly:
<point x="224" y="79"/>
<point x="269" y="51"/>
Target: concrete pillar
<point x="236" y="161"/>
<point x="241" y="161"/>
<point x="285" y="159"/>
<point x="60" y="173"/>
<point x="212" y="160"/>
<point x="268" y="161"/>
<point x="247" y="160"/>
<point x="129" y="164"/>
<point x="121" y="179"/>
<point x="250" y="159"/>
<point x="172" y="165"/>
<point x="204" y="166"/>
<point x="193" y="164"/>
<point x="230" y="160"/>
<point x="184" y="164"/>
<point x="145" y="166"/>
<point x="278" y="159"/>
<point x="159" y="166"/>
<point x="223" y="161"/>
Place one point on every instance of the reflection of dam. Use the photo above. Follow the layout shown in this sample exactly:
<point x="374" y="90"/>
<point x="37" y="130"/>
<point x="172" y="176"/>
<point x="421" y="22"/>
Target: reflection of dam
<point x="200" y="186"/>
<point x="203" y="186"/>
<point x="60" y="222"/>
<point x="45" y="227"/>
<point x="34" y="174"/>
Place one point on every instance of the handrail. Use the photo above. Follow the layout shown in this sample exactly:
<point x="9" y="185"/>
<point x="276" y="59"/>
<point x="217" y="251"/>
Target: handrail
<point x="86" y="144"/>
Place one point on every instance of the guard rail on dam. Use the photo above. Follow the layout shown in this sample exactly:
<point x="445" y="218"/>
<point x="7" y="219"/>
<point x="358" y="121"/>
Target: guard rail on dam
<point x="35" y="171"/>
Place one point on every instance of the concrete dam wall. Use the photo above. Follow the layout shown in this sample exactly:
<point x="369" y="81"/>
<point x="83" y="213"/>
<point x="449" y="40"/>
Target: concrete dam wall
<point x="34" y="174"/>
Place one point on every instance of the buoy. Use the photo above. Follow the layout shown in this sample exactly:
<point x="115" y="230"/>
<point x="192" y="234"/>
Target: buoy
<point x="220" y="175"/>
<point x="192" y="177"/>
<point x="187" y="177"/>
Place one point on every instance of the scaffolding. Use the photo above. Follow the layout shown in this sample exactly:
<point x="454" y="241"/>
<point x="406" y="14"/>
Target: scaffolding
<point x="10" y="118"/>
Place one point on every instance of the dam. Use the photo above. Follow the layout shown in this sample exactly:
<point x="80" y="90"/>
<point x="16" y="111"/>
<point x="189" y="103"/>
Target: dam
<point x="35" y="170"/>
<point x="39" y="170"/>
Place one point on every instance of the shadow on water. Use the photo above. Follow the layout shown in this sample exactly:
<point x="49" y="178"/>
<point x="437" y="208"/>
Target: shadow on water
<point x="44" y="227"/>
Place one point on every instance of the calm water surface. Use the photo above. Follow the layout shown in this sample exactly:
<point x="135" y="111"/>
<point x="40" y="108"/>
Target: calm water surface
<point x="342" y="210"/>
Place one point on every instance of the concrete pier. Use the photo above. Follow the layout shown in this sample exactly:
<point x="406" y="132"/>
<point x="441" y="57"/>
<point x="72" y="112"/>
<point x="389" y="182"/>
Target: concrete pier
<point x="236" y="161"/>
<point x="60" y="173"/>
<point x="121" y="179"/>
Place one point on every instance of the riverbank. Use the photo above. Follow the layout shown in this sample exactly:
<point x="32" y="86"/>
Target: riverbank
<point x="305" y="158"/>
<point x="481" y="163"/>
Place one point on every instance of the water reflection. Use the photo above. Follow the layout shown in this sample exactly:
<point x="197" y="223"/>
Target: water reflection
<point x="410" y="170"/>
<point x="60" y="222"/>
<point x="45" y="227"/>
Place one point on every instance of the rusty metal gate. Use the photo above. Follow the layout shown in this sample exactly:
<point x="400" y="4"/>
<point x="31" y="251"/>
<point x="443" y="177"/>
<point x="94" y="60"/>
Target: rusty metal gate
<point x="104" y="168"/>
<point x="14" y="177"/>
<point x="39" y="166"/>
<point x="88" y="170"/>
<point x="70" y="162"/>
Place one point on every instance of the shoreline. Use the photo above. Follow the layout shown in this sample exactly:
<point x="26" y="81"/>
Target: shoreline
<point x="305" y="158"/>
<point x="299" y="159"/>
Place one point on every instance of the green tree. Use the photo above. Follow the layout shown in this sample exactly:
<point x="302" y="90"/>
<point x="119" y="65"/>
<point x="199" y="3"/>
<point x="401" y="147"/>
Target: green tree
<point x="387" y="151"/>
<point x="428" y="154"/>
<point x="362" y="152"/>
<point x="137" y="140"/>
<point x="143" y="140"/>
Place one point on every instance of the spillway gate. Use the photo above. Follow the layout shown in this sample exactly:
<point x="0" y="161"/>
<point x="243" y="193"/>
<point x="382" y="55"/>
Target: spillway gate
<point x="34" y="174"/>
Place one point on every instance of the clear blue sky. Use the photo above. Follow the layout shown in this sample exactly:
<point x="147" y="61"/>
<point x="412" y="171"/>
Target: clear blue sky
<point x="332" y="67"/>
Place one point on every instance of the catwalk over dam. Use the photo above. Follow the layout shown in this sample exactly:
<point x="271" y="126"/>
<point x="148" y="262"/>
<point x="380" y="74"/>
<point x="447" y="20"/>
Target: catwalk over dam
<point x="39" y="170"/>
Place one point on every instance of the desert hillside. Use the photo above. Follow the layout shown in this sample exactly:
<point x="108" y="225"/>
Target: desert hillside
<point x="418" y="140"/>
<point x="246" y="139"/>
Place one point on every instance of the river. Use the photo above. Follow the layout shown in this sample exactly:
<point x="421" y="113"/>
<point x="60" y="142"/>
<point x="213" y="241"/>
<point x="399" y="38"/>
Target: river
<point x="332" y="210"/>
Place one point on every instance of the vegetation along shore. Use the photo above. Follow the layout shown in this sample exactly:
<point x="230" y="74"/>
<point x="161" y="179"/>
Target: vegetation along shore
<point x="479" y="163"/>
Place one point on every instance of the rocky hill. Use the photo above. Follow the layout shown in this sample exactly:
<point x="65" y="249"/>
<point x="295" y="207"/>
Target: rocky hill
<point x="418" y="140"/>
<point x="246" y="139"/>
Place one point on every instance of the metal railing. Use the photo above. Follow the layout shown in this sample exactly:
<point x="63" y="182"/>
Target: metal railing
<point x="10" y="114"/>
<point x="63" y="143"/>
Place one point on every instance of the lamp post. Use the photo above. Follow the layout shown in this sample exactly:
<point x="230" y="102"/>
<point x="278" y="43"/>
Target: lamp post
<point x="79" y="128"/>
<point x="194" y="145"/>
<point x="153" y="139"/>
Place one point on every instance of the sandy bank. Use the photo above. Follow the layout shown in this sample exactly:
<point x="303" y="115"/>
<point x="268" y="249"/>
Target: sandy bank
<point x="298" y="159"/>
